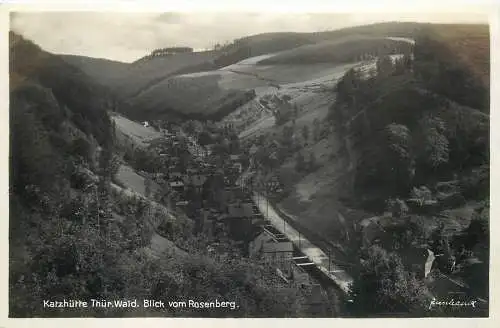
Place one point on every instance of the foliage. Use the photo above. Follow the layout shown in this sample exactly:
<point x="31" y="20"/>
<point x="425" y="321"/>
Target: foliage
<point x="384" y="66"/>
<point x="384" y="287"/>
<point x="305" y="132"/>
<point x="300" y="162"/>
<point x="431" y="142"/>
<point x="81" y="147"/>
<point x="342" y="50"/>
<point x="440" y="64"/>
<point x="69" y="85"/>
<point x="440" y="137"/>
<point x="389" y="165"/>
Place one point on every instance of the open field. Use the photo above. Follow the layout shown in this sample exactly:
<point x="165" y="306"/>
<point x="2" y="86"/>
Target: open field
<point x="133" y="131"/>
<point x="128" y="79"/>
<point x="130" y="179"/>
<point x="311" y="90"/>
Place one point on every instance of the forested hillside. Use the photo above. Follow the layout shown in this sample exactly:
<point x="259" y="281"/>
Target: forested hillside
<point x="417" y="134"/>
<point x="146" y="86"/>
<point x="343" y="50"/>
<point x="75" y="234"/>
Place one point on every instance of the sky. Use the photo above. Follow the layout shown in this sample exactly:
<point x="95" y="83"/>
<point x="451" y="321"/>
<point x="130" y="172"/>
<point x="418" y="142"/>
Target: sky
<point x="127" y="36"/>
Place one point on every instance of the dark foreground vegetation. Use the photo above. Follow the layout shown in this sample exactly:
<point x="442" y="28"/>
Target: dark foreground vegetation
<point x="76" y="235"/>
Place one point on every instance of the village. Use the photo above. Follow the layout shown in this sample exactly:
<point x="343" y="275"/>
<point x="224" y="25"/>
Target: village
<point x="216" y="190"/>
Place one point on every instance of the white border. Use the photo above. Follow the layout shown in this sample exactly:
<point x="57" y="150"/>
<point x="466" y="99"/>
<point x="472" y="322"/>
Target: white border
<point x="248" y="6"/>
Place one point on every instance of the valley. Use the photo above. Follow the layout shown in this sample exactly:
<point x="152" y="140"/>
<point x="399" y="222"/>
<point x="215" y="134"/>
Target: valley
<point x="341" y="173"/>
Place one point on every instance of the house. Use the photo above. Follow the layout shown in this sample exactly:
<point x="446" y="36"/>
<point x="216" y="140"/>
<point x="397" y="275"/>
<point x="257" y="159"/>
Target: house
<point x="191" y="171"/>
<point x="209" y="218"/>
<point x="299" y="276"/>
<point x="372" y="231"/>
<point x="420" y="206"/>
<point x="398" y="208"/>
<point x="253" y="149"/>
<point x="278" y="254"/>
<point x="448" y="194"/>
<point x="234" y="158"/>
<point x="177" y="185"/>
<point x="258" y="218"/>
<point x="182" y="203"/>
<point x="175" y="159"/>
<point x="273" y="252"/>
<point x="238" y="221"/>
<point x="237" y="167"/>
<point x="198" y="180"/>
<point x="255" y="246"/>
<point x="175" y="175"/>
<point x="240" y="210"/>
<point x="228" y="196"/>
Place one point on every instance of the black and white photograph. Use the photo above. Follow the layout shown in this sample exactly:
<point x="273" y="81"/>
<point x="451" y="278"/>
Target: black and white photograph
<point x="249" y="164"/>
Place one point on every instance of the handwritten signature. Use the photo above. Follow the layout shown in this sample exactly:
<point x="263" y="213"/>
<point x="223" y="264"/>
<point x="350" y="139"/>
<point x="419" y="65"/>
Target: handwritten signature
<point x="452" y="302"/>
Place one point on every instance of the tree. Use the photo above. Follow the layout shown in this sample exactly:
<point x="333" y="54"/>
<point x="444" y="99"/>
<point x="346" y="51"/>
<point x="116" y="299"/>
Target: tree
<point x="305" y="133"/>
<point x="407" y="61"/>
<point x="81" y="147"/>
<point x="384" y="66"/>
<point x="384" y="287"/>
<point x="431" y="142"/>
<point x="397" y="207"/>
<point x="234" y="144"/>
<point x="478" y="231"/>
<point x="190" y="127"/>
<point x="316" y="130"/>
<point x="287" y="136"/>
<point x="312" y="161"/>
<point x="204" y="138"/>
<point x="34" y="161"/>
<point x="422" y="194"/>
<point x="300" y="163"/>
<point x="295" y="111"/>
<point x="347" y="86"/>
<point x="397" y="157"/>
<point x="147" y="186"/>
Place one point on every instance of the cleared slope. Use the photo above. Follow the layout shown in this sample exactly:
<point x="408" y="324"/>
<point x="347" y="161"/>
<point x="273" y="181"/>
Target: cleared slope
<point x="129" y="79"/>
<point x="128" y="131"/>
<point x="143" y="83"/>
<point x="345" y="49"/>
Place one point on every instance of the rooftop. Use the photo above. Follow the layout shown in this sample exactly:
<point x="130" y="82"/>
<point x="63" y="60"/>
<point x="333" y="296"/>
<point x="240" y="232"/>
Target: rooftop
<point x="277" y="247"/>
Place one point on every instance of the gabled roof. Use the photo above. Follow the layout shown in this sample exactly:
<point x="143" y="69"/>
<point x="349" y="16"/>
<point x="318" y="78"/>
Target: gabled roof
<point x="176" y="183"/>
<point x="277" y="247"/>
<point x="240" y="210"/>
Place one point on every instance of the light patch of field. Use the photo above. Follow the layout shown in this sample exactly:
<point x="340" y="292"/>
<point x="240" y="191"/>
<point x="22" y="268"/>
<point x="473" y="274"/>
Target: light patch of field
<point x="133" y="181"/>
<point x="259" y="126"/>
<point x="139" y="134"/>
<point x="200" y="74"/>
<point x="130" y="179"/>
<point x="250" y="61"/>
<point x="313" y="97"/>
<point x="246" y="74"/>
